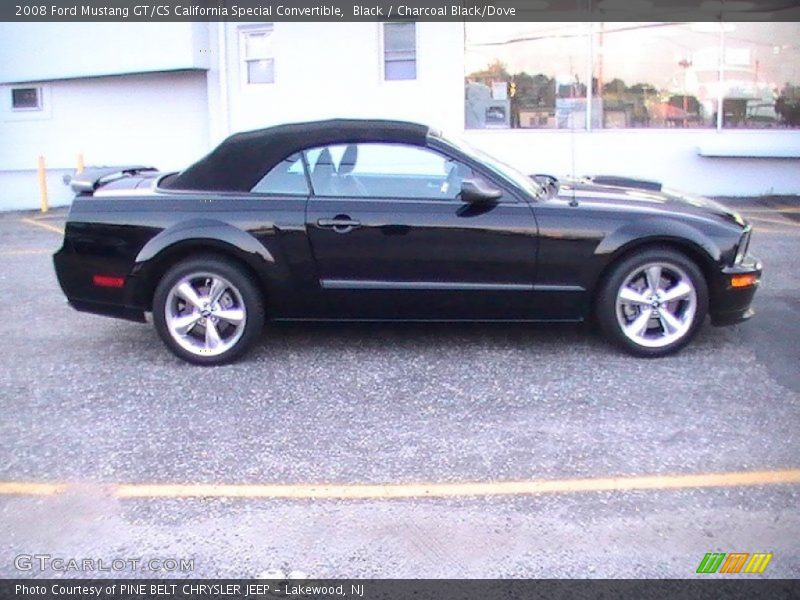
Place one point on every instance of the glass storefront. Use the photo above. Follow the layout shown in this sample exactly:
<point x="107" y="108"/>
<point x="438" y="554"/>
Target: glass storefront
<point x="632" y="75"/>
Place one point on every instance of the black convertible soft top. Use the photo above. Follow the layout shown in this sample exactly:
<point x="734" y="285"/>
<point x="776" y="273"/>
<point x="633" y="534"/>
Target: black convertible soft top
<point x="241" y="160"/>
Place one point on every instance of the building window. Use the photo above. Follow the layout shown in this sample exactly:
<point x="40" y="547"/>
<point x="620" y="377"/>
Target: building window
<point x="761" y="75"/>
<point x="526" y="75"/>
<point x="29" y="98"/>
<point x="259" y="59"/>
<point x="656" y="75"/>
<point x="632" y="75"/>
<point x="399" y="51"/>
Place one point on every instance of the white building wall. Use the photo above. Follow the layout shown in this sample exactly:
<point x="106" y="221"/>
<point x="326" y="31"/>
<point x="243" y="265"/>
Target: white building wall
<point x="335" y="70"/>
<point x="170" y="118"/>
<point x="328" y="70"/>
<point x="158" y="119"/>
<point x="670" y="156"/>
<point x="47" y="51"/>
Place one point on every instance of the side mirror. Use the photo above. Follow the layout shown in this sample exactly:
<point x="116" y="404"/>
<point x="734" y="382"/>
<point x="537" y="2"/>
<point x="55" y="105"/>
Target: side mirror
<point x="550" y="184"/>
<point x="474" y="191"/>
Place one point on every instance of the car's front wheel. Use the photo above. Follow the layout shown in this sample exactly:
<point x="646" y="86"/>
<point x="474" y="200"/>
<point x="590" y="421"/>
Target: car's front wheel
<point x="653" y="302"/>
<point x="208" y="310"/>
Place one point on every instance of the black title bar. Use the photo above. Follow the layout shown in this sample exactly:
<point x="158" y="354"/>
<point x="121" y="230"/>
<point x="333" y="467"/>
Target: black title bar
<point x="409" y="10"/>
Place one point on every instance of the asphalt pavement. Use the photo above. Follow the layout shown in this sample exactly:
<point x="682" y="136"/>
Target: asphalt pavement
<point x="91" y="404"/>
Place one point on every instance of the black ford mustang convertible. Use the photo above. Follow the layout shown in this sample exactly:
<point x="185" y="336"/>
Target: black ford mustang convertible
<point x="385" y="220"/>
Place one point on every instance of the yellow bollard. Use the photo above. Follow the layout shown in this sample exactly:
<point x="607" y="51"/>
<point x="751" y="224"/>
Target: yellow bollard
<point x="80" y="168"/>
<point x="43" y="185"/>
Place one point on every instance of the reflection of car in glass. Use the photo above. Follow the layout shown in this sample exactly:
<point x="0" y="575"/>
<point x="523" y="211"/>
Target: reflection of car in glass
<point x="788" y="111"/>
<point x="684" y="111"/>
<point x="495" y="112"/>
<point x="384" y="220"/>
<point x="749" y="112"/>
<point x="760" y="113"/>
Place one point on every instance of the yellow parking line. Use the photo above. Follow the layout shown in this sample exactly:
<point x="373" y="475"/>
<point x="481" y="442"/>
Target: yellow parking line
<point x="467" y="489"/>
<point x="48" y="217"/>
<point x="30" y="489"/>
<point x="785" y="222"/>
<point x="777" y="209"/>
<point x="43" y="225"/>
<point x="423" y="490"/>
<point x="768" y="230"/>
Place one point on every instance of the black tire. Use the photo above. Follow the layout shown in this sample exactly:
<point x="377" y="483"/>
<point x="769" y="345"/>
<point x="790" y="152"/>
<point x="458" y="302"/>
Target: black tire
<point x="659" y="337"/>
<point x="241" y="297"/>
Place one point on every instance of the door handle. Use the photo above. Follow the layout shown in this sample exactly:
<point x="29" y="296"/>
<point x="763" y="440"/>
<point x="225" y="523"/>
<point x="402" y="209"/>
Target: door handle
<point x="339" y="223"/>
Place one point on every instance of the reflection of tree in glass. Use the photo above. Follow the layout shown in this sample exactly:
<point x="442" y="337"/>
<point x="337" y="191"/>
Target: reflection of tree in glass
<point x="635" y="102"/>
<point x="529" y="91"/>
<point x="496" y="71"/>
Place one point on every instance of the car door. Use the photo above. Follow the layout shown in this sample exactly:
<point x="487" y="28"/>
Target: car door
<point x="392" y="240"/>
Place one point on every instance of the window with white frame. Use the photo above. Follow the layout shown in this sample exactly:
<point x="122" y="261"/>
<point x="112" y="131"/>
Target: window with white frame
<point x="703" y="75"/>
<point x="26" y="98"/>
<point x="259" y="58"/>
<point x="399" y="51"/>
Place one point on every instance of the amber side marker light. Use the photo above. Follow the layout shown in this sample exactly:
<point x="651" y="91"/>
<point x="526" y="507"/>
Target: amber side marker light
<point x="108" y="281"/>
<point x="740" y="281"/>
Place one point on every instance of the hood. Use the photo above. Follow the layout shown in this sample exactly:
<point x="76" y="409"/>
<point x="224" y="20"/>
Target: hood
<point x="647" y="197"/>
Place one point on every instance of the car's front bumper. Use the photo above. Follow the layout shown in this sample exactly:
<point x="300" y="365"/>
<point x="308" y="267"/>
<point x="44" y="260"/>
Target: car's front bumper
<point x="731" y="304"/>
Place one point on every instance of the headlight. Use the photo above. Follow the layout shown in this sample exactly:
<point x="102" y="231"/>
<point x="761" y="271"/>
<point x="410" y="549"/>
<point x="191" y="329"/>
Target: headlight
<point x="744" y="244"/>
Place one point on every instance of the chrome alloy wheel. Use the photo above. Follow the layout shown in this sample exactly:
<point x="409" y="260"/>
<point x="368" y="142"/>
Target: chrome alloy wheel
<point x="656" y="305"/>
<point x="205" y="314"/>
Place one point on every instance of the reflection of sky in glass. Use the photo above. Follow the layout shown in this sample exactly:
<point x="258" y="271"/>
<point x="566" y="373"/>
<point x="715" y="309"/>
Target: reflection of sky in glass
<point x="259" y="44"/>
<point x="554" y="49"/>
<point x="670" y="57"/>
<point x="400" y="51"/>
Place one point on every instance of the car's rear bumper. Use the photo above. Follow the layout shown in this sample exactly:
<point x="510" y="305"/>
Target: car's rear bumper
<point x="74" y="275"/>
<point x="730" y="304"/>
<point x="108" y="310"/>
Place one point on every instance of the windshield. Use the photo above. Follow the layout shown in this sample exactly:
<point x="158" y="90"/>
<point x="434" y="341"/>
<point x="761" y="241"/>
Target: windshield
<point x="495" y="165"/>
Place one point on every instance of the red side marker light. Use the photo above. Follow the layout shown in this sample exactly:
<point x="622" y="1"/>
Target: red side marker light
<point x="108" y="281"/>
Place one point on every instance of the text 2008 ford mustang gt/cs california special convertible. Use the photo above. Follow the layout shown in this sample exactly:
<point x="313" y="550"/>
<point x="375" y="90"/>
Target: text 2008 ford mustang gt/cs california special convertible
<point x="386" y="220"/>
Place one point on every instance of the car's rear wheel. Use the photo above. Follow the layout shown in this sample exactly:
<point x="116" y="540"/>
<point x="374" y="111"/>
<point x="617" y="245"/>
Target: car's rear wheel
<point x="653" y="302"/>
<point x="207" y="310"/>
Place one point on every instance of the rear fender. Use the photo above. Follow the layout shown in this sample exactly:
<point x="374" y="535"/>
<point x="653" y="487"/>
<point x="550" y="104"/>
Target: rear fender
<point x="198" y="235"/>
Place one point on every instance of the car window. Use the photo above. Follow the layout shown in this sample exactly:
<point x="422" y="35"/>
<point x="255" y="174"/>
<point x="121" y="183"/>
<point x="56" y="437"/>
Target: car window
<point x="385" y="171"/>
<point x="287" y="177"/>
<point x="496" y="166"/>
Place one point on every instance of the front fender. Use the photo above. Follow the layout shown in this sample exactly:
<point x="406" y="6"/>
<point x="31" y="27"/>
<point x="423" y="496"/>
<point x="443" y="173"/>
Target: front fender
<point x="702" y="246"/>
<point x="657" y="229"/>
